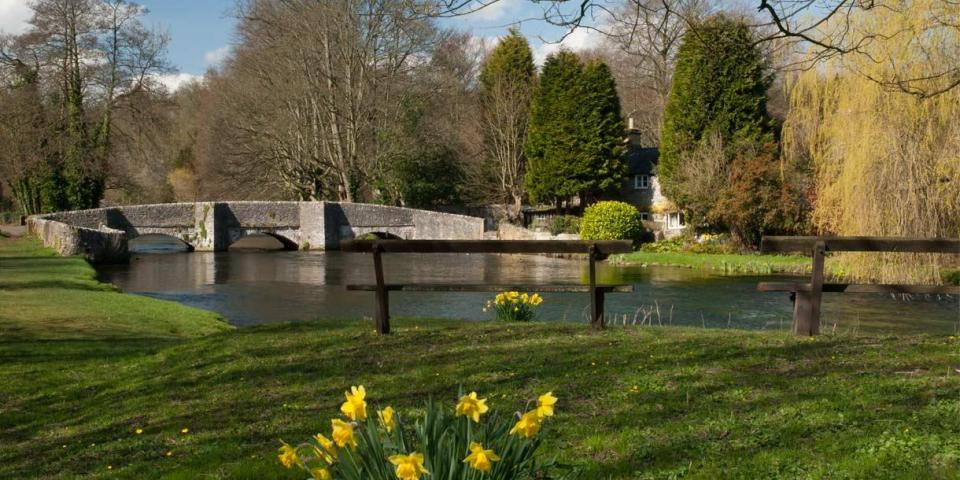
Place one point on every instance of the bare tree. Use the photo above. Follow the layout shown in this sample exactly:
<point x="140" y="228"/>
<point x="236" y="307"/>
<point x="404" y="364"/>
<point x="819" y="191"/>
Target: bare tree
<point x="322" y="66"/>
<point x="821" y="28"/>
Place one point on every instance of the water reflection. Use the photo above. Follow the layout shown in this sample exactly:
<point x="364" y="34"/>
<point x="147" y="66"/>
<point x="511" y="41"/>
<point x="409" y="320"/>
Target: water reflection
<point x="253" y="288"/>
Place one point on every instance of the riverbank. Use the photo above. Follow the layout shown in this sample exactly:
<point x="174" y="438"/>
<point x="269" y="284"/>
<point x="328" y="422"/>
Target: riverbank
<point x="721" y="263"/>
<point x="634" y="402"/>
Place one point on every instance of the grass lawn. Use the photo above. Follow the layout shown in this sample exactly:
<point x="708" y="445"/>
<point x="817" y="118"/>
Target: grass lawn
<point x="724" y="263"/>
<point x="81" y="368"/>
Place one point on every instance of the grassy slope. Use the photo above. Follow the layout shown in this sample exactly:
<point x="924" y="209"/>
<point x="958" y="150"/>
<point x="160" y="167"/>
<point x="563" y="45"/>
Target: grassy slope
<point x="725" y="263"/>
<point x="657" y="402"/>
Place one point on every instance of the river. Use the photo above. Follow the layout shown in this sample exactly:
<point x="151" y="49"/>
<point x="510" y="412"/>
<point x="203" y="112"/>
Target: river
<point x="251" y="288"/>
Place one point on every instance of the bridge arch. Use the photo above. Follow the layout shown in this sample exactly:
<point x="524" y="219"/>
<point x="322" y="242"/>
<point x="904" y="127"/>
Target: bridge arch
<point x="157" y="243"/>
<point x="102" y="234"/>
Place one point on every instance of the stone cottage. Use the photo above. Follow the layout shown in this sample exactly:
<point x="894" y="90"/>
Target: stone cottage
<point x="642" y="188"/>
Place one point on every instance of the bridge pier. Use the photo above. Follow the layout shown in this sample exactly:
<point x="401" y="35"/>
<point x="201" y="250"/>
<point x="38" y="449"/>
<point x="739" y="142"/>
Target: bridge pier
<point x="210" y="224"/>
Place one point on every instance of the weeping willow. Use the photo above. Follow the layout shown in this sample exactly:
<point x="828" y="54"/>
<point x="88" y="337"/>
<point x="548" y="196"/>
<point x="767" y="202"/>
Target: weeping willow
<point x="886" y="161"/>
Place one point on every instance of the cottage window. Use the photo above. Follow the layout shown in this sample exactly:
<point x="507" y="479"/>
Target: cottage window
<point x="645" y="216"/>
<point x="641" y="182"/>
<point x="675" y="220"/>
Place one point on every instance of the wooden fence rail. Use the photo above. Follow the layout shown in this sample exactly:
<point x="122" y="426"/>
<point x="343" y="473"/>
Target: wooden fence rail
<point x="807" y="296"/>
<point x="595" y="251"/>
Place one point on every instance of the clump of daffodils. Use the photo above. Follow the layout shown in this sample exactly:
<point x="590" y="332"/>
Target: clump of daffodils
<point x="514" y="306"/>
<point x="466" y="441"/>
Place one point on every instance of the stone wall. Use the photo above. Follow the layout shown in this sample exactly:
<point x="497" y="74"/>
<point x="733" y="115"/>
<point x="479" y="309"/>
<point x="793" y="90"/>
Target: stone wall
<point x="102" y="234"/>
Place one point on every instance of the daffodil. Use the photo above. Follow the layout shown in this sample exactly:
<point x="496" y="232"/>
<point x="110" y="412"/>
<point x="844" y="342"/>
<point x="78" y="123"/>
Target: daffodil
<point x="321" y="474"/>
<point x="288" y="455"/>
<point x="409" y="467"/>
<point x="472" y="407"/>
<point x="327" y="451"/>
<point x="326" y="443"/>
<point x="386" y="418"/>
<point x="536" y="299"/>
<point x="355" y="407"/>
<point x="481" y="459"/>
<point x="527" y="426"/>
<point x="343" y="433"/>
<point x="545" y="405"/>
<point x="525" y="298"/>
<point x="139" y="431"/>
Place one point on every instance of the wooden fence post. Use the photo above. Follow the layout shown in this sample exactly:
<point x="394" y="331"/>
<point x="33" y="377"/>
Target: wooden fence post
<point x="383" y="296"/>
<point x="806" y="310"/>
<point x="596" y="293"/>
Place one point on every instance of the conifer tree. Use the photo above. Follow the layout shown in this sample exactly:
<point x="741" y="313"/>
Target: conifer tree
<point x="576" y="132"/>
<point x="718" y="97"/>
<point x="603" y="129"/>
<point x="553" y="138"/>
<point x="507" y="81"/>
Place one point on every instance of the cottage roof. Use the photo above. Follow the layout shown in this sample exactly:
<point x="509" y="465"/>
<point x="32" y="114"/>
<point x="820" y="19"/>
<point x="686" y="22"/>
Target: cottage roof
<point x="642" y="160"/>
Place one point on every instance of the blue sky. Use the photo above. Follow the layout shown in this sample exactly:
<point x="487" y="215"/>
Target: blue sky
<point x="201" y="30"/>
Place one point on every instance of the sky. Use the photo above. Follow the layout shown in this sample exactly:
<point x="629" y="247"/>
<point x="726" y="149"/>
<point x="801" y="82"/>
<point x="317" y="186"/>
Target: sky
<point x="201" y="31"/>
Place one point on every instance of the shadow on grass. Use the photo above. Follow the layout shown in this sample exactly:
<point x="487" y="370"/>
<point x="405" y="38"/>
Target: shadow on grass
<point x="706" y="397"/>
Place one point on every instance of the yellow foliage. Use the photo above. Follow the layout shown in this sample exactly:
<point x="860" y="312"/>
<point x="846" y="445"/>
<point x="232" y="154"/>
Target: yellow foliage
<point x="886" y="162"/>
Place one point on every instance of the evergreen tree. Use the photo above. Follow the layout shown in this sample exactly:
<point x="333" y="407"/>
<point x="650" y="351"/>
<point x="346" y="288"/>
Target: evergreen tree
<point x="602" y="149"/>
<point x="553" y="138"/>
<point x="718" y="93"/>
<point x="574" y="146"/>
<point x="507" y="81"/>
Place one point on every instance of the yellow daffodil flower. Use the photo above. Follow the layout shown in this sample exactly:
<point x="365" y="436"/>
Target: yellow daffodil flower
<point x="386" y="418"/>
<point x="409" y="467"/>
<point x="536" y="299"/>
<point x="525" y="298"/>
<point x="481" y="459"/>
<point x="343" y="433"/>
<point x="321" y="474"/>
<point x="326" y="443"/>
<point x="545" y="405"/>
<point x="288" y="455"/>
<point x="527" y="426"/>
<point x="139" y="431"/>
<point x="355" y="408"/>
<point x="327" y="450"/>
<point x="472" y="407"/>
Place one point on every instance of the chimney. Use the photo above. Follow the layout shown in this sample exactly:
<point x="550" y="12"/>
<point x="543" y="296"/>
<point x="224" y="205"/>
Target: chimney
<point x="633" y="135"/>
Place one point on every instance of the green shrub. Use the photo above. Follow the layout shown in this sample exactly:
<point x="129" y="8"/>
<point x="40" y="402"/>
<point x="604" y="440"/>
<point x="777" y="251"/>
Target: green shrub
<point x="564" y="224"/>
<point x="611" y="221"/>
<point x="673" y="245"/>
<point x="952" y="277"/>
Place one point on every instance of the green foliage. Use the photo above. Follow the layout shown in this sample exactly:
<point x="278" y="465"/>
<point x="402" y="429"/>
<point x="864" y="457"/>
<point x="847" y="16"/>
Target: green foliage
<point x="420" y="170"/>
<point x="441" y="437"/>
<point x="719" y="89"/>
<point x="711" y="244"/>
<point x="574" y="145"/>
<point x="757" y="200"/>
<point x="611" y="220"/>
<point x="431" y="177"/>
<point x="952" y="277"/>
<point x="602" y="131"/>
<point x="564" y="224"/>
<point x="511" y="60"/>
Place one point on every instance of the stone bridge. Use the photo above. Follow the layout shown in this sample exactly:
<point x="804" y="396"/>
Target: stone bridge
<point x="102" y="234"/>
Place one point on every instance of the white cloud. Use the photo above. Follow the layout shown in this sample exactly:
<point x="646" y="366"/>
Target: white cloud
<point x="214" y="58"/>
<point x="14" y="15"/>
<point x="578" y="40"/>
<point x="494" y="11"/>
<point x="173" y="81"/>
